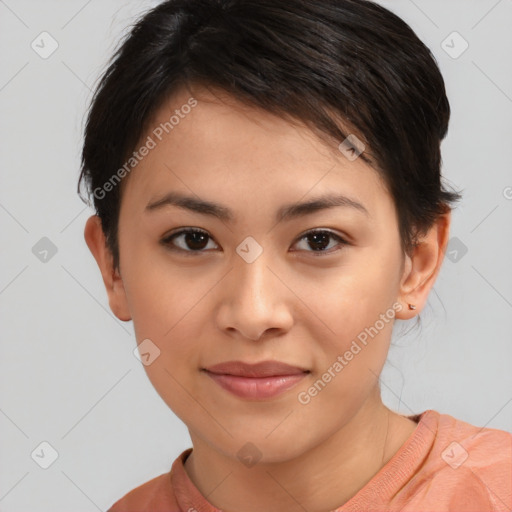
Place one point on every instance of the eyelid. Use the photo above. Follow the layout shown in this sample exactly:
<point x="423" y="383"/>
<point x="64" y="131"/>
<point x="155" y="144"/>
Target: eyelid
<point x="332" y="232"/>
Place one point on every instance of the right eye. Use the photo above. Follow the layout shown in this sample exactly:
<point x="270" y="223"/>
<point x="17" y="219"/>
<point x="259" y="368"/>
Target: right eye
<point x="192" y="240"/>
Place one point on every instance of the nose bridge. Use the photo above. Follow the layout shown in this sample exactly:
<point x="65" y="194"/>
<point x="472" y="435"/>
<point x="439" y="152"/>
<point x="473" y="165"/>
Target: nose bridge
<point x="253" y="278"/>
<point x="253" y="302"/>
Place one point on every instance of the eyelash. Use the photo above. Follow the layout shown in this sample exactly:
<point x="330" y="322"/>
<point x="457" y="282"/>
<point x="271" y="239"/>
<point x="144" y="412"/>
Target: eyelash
<point x="166" y="241"/>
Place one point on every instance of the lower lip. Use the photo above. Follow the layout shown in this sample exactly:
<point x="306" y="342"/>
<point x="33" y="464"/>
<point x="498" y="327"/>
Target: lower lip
<point x="252" y="387"/>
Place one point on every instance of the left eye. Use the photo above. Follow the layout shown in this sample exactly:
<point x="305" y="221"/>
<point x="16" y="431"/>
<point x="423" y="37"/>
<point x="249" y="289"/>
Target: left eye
<point x="319" y="240"/>
<point x="196" y="240"/>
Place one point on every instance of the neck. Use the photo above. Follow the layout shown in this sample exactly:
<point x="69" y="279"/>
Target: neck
<point x="323" y="478"/>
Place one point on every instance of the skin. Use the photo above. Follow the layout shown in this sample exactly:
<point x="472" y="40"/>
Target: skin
<point x="288" y="305"/>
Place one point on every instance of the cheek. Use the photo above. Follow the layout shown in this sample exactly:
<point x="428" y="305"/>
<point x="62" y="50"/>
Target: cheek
<point x="171" y="315"/>
<point x="167" y="308"/>
<point x="352" y="298"/>
<point x="357" y="307"/>
<point x="160" y="293"/>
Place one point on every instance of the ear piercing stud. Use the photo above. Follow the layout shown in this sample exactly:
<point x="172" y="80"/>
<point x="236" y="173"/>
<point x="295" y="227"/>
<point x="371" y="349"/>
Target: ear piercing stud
<point x="412" y="306"/>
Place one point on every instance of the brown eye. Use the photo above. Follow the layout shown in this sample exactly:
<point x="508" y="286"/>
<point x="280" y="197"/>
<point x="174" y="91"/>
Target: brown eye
<point x="190" y="240"/>
<point x="319" y="241"/>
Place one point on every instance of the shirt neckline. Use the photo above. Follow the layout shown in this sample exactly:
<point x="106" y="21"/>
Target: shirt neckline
<point x="382" y="486"/>
<point x="402" y="466"/>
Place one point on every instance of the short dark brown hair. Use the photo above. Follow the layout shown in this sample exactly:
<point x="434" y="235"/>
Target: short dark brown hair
<point x="319" y="62"/>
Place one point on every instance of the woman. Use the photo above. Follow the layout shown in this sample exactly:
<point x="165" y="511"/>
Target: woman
<point x="266" y="177"/>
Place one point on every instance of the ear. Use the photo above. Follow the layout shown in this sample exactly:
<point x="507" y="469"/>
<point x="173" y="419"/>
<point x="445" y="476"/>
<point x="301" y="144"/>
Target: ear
<point x="422" y="267"/>
<point x="96" y="241"/>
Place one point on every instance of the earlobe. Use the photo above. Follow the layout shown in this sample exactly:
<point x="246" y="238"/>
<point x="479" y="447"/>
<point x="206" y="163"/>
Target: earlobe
<point x="96" y="241"/>
<point x="422" y="267"/>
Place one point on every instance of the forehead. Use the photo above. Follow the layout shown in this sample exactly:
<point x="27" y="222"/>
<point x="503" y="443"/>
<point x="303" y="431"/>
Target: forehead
<point x="206" y="143"/>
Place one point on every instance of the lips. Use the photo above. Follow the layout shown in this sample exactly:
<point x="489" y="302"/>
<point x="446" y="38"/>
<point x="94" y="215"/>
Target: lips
<point x="258" y="381"/>
<point x="257" y="370"/>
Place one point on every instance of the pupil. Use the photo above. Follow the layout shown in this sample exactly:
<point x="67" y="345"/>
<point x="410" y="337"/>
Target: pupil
<point x="196" y="240"/>
<point x="319" y="239"/>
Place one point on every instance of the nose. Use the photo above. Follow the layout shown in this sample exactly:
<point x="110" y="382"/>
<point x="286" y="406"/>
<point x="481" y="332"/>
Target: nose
<point x="255" y="300"/>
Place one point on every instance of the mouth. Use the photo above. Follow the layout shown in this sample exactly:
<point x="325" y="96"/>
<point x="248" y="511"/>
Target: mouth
<point x="262" y="380"/>
<point x="255" y="370"/>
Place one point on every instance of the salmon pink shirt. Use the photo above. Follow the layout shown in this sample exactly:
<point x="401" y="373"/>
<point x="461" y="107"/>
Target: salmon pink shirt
<point x="445" y="465"/>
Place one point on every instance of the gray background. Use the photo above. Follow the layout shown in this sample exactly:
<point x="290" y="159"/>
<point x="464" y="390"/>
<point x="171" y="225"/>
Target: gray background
<point x="67" y="369"/>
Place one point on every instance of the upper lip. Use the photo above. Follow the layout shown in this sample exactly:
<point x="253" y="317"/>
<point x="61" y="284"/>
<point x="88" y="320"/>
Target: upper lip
<point x="262" y="369"/>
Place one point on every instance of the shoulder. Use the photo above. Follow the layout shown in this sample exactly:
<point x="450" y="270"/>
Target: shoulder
<point x="157" y="494"/>
<point x="148" y="496"/>
<point x="469" y="464"/>
<point x="461" y="444"/>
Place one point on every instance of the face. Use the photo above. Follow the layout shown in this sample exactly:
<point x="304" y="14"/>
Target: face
<point x="305" y="289"/>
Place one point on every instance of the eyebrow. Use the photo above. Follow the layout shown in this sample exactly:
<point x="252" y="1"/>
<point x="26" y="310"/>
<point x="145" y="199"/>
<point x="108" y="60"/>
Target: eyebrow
<point x="286" y="212"/>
